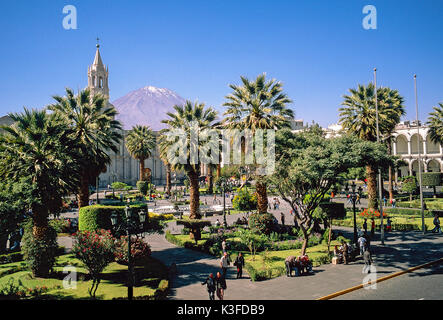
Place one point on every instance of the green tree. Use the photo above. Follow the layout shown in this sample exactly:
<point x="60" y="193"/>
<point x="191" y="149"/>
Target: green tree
<point x="308" y="165"/>
<point x="435" y="123"/>
<point x="252" y="240"/>
<point x="409" y="185"/>
<point x="13" y="207"/>
<point x="187" y="119"/>
<point x="258" y="104"/>
<point x="140" y="143"/>
<point x="358" y="116"/>
<point x="39" y="150"/>
<point x="92" y="120"/>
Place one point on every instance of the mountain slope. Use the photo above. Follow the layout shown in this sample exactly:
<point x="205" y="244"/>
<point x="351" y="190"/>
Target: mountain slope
<point x="146" y="106"/>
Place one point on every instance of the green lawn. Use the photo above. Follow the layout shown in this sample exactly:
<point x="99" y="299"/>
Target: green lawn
<point x="113" y="284"/>
<point x="431" y="204"/>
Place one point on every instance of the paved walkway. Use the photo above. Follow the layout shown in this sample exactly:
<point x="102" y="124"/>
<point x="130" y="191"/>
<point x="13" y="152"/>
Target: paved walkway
<point x="401" y="251"/>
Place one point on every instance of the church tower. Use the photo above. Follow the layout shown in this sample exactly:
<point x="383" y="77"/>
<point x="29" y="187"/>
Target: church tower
<point x="98" y="76"/>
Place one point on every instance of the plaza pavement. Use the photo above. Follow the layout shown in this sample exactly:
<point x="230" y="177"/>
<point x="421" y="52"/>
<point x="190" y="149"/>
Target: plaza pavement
<point x="401" y="251"/>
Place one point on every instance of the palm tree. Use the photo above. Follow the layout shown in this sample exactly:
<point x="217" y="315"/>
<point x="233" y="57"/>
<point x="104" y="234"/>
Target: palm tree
<point x="164" y="158"/>
<point x="38" y="149"/>
<point x="140" y="143"/>
<point x="185" y="119"/>
<point x="92" y="120"/>
<point x="358" y="117"/>
<point x="435" y="123"/>
<point x="258" y="104"/>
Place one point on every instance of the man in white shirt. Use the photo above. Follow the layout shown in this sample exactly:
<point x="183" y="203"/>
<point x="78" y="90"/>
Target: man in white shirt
<point x="362" y="244"/>
<point x="224" y="263"/>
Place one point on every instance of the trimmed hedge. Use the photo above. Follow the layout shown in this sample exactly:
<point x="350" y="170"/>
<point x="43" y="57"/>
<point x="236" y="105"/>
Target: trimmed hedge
<point x="96" y="217"/>
<point x="11" y="257"/>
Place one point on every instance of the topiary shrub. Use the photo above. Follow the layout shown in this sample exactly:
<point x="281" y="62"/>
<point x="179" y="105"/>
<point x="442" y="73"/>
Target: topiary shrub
<point x="195" y="226"/>
<point x="262" y="223"/>
<point x="143" y="187"/>
<point x="431" y="179"/>
<point x="39" y="254"/>
<point x="92" y="218"/>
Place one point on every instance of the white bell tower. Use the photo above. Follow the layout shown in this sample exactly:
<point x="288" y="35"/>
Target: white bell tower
<point x="98" y="75"/>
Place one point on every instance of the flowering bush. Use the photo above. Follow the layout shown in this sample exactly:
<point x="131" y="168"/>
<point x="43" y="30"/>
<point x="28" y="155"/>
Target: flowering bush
<point x="140" y="250"/>
<point x="96" y="250"/>
<point x="372" y="214"/>
<point x="244" y="200"/>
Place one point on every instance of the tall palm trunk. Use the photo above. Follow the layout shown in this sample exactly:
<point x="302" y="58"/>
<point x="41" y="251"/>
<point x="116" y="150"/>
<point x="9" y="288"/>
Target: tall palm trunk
<point x="142" y="169"/>
<point x="83" y="192"/>
<point x="194" y="205"/>
<point x="194" y="193"/>
<point x="210" y="180"/>
<point x="168" y="179"/>
<point x="218" y="170"/>
<point x="40" y="267"/>
<point x="262" y="197"/>
<point x="371" y="176"/>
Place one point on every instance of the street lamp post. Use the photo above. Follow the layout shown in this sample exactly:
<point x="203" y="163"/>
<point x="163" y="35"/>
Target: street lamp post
<point x="353" y="197"/>
<point x="131" y="226"/>
<point x="224" y="184"/>
<point x="380" y="179"/>
<point x="419" y="158"/>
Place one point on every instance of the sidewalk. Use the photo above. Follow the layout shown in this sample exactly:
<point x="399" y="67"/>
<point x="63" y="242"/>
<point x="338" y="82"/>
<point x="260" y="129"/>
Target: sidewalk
<point x="401" y="251"/>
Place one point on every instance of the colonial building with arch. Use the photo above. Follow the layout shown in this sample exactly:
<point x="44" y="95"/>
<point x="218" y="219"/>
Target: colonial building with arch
<point x="407" y="139"/>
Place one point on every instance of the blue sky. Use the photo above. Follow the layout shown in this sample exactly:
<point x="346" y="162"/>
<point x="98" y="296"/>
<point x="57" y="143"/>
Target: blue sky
<point x="318" y="49"/>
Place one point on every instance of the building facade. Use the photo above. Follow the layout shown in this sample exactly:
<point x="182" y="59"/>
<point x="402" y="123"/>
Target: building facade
<point x="408" y="139"/>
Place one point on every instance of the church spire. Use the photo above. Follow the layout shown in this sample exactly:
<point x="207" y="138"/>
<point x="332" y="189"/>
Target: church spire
<point x="98" y="75"/>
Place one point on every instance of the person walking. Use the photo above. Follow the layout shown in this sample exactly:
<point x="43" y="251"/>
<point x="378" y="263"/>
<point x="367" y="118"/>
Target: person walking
<point x="436" y="223"/>
<point x="394" y="202"/>
<point x="345" y="252"/>
<point x="365" y="225"/>
<point x="220" y="283"/>
<point x="282" y="217"/>
<point x="362" y="245"/>
<point x="224" y="263"/>
<point x="239" y="263"/>
<point x="385" y="201"/>
<point x="224" y="245"/>
<point x="210" y="286"/>
<point x="368" y="260"/>
<point x="389" y="225"/>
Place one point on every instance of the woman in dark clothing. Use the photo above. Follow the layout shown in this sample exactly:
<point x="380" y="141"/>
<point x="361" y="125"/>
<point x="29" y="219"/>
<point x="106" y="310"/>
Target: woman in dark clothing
<point x="210" y="285"/>
<point x="220" y="283"/>
<point x="239" y="263"/>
